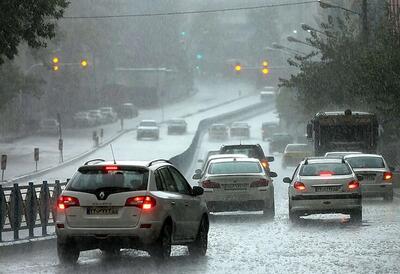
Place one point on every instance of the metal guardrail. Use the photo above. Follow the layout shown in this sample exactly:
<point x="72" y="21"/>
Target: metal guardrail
<point x="28" y="207"/>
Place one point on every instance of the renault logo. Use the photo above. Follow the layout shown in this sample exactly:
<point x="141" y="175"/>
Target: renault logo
<point x="102" y="195"/>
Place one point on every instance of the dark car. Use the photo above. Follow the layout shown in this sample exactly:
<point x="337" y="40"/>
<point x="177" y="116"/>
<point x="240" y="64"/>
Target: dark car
<point x="268" y="129"/>
<point x="251" y="150"/>
<point x="279" y="141"/>
<point x="177" y="126"/>
<point x="240" y="129"/>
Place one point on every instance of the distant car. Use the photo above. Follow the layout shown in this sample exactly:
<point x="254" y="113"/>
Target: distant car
<point x="378" y="178"/>
<point x="124" y="204"/>
<point x="295" y="153"/>
<point x="233" y="184"/>
<point x="200" y="172"/>
<point x="148" y="129"/>
<point x="49" y="127"/>
<point x="251" y="150"/>
<point x="97" y="116"/>
<point x="324" y="185"/>
<point x="177" y="126"/>
<point x="218" y="131"/>
<point x="128" y="111"/>
<point x="268" y="129"/>
<point x="239" y="129"/>
<point x="267" y="93"/>
<point x="340" y="153"/>
<point x="83" y="119"/>
<point x="109" y="114"/>
<point x="279" y="141"/>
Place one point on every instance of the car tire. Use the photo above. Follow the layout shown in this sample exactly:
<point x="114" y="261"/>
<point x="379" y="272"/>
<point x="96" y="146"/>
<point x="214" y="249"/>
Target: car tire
<point x="388" y="197"/>
<point x="199" y="246"/>
<point x="356" y="215"/>
<point x="293" y="216"/>
<point x="67" y="253"/>
<point x="269" y="212"/>
<point x="162" y="248"/>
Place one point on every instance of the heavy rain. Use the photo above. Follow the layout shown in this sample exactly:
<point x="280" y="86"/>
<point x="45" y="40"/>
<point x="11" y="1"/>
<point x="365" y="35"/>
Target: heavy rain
<point x="199" y="136"/>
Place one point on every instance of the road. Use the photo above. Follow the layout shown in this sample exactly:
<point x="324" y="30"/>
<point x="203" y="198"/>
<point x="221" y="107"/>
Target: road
<point x="246" y="242"/>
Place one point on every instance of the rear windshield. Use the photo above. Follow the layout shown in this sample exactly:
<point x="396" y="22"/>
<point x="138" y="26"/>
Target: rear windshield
<point x="148" y="124"/>
<point x="297" y="148"/>
<point x="92" y="181"/>
<point x="235" y="167"/>
<point x="366" y="162"/>
<point x="250" y="152"/>
<point x="325" y="169"/>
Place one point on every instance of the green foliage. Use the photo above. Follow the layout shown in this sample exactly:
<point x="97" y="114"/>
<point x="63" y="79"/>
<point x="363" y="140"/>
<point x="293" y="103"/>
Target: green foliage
<point x="29" y="21"/>
<point x="344" y="72"/>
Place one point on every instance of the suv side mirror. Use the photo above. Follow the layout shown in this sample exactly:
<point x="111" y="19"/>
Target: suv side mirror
<point x="197" y="171"/>
<point x="360" y="177"/>
<point x="273" y="174"/>
<point x="270" y="159"/>
<point x="196" y="176"/>
<point x="287" y="180"/>
<point x="197" y="191"/>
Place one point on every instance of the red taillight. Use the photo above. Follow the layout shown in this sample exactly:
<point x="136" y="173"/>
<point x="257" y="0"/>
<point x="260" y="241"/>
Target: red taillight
<point x="326" y="173"/>
<point x="143" y="202"/>
<point x="259" y="183"/>
<point x="354" y="185"/>
<point x="210" y="184"/>
<point x="65" y="202"/>
<point x="109" y="168"/>
<point x="299" y="186"/>
<point x="387" y="176"/>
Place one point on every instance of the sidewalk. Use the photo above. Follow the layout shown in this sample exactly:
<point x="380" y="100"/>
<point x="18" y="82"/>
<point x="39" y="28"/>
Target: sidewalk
<point x="77" y="141"/>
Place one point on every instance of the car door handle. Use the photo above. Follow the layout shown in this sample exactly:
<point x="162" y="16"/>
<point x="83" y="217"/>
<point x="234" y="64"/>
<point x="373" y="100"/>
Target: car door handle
<point x="173" y="203"/>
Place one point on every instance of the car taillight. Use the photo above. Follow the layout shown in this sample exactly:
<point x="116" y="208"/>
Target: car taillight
<point x="259" y="183"/>
<point x="65" y="202"/>
<point x="265" y="163"/>
<point x="143" y="202"/>
<point x="110" y="168"/>
<point x="210" y="184"/>
<point x="299" y="186"/>
<point x="354" y="185"/>
<point x="387" y="176"/>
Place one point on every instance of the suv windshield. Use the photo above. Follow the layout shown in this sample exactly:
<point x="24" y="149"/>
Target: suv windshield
<point x="325" y="169"/>
<point x="92" y="180"/>
<point x="366" y="162"/>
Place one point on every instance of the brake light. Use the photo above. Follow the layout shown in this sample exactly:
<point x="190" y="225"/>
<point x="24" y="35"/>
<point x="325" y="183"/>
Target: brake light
<point x="326" y="173"/>
<point x="354" y="185"/>
<point x="259" y="183"/>
<point x="143" y="202"/>
<point x="387" y="176"/>
<point x="109" y="168"/>
<point x="265" y="163"/>
<point x="210" y="184"/>
<point x="299" y="186"/>
<point x="65" y="202"/>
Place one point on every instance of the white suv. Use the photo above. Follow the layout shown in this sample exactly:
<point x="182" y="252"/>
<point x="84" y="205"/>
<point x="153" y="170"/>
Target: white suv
<point x="142" y="205"/>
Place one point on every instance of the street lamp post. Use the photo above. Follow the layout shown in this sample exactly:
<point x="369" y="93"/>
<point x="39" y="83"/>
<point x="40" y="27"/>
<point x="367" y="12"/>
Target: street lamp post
<point x="287" y="49"/>
<point x="363" y="15"/>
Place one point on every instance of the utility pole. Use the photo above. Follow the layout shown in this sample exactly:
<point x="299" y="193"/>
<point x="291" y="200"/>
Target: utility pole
<point x="364" y="21"/>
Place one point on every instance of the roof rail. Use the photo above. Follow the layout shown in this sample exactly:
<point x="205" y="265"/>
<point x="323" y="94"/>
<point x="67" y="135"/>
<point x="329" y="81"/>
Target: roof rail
<point x="158" y="160"/>
<point x="93" y="160"/>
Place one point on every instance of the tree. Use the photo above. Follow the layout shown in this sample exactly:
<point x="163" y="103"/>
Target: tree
<point x="29" y="21"/>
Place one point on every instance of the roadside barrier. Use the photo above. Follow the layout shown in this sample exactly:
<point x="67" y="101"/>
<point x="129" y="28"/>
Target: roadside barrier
<point x="28" y="207"/>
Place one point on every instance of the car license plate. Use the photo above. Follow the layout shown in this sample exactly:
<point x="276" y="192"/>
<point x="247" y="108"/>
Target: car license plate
<point x="327" y="188"/>
<point x="102" y="211"/>
<point x="369" y="177"/>
<point x="235" y="186"/>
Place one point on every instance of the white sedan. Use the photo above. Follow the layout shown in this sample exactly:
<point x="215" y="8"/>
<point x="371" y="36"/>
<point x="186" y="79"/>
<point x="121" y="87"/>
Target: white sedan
<point x="234" y="184"/>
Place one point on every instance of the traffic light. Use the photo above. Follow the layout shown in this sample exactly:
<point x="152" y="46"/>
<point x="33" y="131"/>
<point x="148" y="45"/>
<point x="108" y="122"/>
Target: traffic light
<point x="84" y="63"/>
<point x="238" y="67"/>
<point x="55" y="63"/>
<point x="265" y="69"/>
